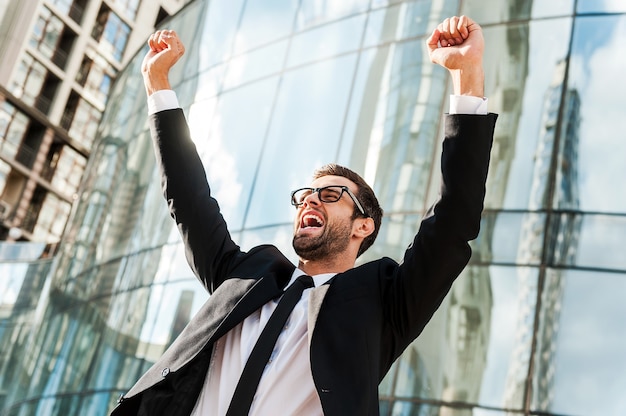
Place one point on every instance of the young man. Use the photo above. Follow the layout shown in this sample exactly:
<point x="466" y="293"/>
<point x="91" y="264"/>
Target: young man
<point x="344" y="333"/>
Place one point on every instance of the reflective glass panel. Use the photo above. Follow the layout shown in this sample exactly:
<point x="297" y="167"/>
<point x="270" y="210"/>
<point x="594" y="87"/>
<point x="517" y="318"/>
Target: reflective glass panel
<point x="594" y="69"/>
<point x="484" y="12"/>
<point x="510" y="237"/>
<point x="264" y="21"/>
<point x="326" y="41"/>
<point x="304" y="132"/>
<point x="552" y="8"/>
<point x="477" y="346"/>
<point x="396" y="146"/>
<point x="581" y="344"/>
<point x="232" y="149"/>
<point x="255" y="64"/>
<point x="608" y="6"/>
<point x="382" y="26"/>
<point x="213" y="42"/>
<point x="601" y="242"/>
<point x="523" y="72"/>
<point x="314" y="12"/>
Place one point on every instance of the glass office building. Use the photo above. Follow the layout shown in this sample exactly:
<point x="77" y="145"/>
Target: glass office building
<point x="274" y="89"/>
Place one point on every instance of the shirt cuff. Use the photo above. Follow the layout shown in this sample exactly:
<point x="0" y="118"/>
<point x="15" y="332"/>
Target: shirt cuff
<point x="467" y="104"/>
<point x="162" y="100"/>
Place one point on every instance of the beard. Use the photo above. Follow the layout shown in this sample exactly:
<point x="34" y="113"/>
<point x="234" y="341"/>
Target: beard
<point x="332" y="242"/>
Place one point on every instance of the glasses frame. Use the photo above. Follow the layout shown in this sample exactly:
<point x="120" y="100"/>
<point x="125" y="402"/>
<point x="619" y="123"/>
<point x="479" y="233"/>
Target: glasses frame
<point x="319" y="195"/>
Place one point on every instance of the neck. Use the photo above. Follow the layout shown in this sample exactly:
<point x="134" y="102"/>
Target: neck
<point x="328" y="265"/>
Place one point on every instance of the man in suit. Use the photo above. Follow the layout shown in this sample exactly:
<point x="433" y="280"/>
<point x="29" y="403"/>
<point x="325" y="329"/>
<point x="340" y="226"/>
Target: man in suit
<point x="345" y="332"/>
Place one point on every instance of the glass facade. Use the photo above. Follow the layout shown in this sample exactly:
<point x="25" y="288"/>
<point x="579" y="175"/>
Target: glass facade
<point x="274" y="89"/>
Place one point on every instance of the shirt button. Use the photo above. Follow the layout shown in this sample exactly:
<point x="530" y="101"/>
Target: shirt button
<point x="165" y="372"/>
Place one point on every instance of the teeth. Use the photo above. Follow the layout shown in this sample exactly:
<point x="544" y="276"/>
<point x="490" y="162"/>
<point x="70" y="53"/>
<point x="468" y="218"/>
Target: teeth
<point x="309" y="218"/>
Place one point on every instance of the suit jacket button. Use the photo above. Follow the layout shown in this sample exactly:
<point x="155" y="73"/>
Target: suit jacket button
<point x="165" y="372"/>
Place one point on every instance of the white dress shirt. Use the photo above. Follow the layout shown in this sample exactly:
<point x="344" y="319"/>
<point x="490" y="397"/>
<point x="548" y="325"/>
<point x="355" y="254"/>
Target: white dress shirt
<point x="287" y="381"/>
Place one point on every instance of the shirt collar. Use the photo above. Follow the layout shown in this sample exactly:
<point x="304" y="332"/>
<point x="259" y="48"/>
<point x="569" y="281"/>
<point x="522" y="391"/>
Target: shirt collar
<point x="318" y="279"/>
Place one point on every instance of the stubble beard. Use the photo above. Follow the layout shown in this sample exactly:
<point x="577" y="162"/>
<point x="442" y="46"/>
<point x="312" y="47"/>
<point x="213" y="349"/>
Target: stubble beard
<point x="332" y="242"/>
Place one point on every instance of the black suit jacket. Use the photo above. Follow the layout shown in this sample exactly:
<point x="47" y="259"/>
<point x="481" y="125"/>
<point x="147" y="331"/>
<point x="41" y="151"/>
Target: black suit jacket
<point x="359" y="322"/>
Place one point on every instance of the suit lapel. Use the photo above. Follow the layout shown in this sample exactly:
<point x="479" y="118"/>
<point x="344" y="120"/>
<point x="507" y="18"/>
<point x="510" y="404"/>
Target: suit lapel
<point x="316" y="297"/>
<point x="262" y="291"/>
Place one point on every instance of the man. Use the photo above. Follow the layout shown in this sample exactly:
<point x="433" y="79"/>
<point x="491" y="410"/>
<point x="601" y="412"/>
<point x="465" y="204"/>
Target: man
<point x="344" y="334"/>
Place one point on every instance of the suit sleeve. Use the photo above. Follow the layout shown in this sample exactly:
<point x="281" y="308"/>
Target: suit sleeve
<point x="440" y="250"/>
<point x="209" y="248"/>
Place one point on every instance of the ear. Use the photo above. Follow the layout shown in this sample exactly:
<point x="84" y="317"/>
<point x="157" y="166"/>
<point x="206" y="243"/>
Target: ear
<point x="362" y="227"/>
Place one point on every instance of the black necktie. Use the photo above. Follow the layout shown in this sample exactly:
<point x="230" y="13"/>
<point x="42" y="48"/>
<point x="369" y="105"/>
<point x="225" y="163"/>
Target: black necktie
<point x="260" y="355"/>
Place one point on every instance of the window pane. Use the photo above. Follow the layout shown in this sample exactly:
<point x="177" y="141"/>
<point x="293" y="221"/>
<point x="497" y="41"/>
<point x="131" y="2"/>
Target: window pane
<point x="214" y="42"/>
<point x="96" y="75"/>
<point x="510" y="237"/>
<point x="264" y="21"/>
<point x="588" y="344"/>
<point x="111" y="33"/>
<point x="255" y="64"/>
<point x="593" y="70"/>
<point x="304" y="132"/>
<point x="13" y="126"/>
<point x="326" y="41"/>
<point x="602" y="242"/>
<point x="552" y="8"/>
<point x="84" y="123"/>
<point x="231" y="151"/>
<point x="69" y="170"/>
<point x="392" y="142"/>
<point x="128" y="7"/>
<point x="46" y="32"/>
<point x="609" y="6"/>
<point x="28" y="79"/>
<point x="314" y="12"/>
<point x="525" y="67"/>
<point x="52" y="217"/>
<point x="382" y="25"/>
<point x="477" y="347"/>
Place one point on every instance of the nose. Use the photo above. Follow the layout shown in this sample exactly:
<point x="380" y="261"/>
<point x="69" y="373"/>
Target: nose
<point x="312" y="200"/>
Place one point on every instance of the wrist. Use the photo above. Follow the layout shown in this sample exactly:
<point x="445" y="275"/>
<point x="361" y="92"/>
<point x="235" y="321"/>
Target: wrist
<point x="469" y="81"/>
<point x="154" y="83"/>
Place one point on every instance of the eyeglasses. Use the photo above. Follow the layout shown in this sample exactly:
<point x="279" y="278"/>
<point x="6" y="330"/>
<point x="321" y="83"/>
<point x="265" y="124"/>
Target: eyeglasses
<point x="326" y="194"/>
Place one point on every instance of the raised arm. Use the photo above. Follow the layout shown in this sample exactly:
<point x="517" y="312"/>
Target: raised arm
<point x="209" y="248"/>
<point x="440" y="249"/>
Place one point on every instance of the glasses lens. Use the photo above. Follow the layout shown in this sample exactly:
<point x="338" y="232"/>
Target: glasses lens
<point x="299" y="195"/>
<point x="331" y="193"/>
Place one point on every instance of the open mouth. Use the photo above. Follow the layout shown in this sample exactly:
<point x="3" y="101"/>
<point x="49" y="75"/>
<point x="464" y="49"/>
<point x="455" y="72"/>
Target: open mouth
<point x="311" y="221"/>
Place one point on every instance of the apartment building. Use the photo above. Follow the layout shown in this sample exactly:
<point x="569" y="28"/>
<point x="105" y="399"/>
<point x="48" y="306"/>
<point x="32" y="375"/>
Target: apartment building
<point x="58" y="59"/>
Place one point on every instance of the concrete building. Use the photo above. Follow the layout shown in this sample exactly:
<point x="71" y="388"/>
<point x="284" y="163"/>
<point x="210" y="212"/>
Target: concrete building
<point x="59" y="58"/>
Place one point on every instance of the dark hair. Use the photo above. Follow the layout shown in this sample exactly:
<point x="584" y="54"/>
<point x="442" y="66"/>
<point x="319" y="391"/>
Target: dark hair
<point x="364" y="194"/>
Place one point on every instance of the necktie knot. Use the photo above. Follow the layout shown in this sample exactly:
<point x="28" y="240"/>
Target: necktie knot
<point x="305" y="281"/>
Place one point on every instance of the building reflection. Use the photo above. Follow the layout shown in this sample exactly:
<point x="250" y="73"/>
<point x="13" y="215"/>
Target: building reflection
<point x="558" y="143"/>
